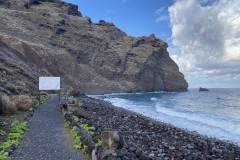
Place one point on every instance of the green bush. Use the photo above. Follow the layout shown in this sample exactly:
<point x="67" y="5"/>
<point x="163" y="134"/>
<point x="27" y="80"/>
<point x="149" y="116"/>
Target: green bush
<point x="2" y="133"/>
<point x="84" y="149"/>
<point x="99" y="143"/>
<point x="78" y="143"/>
<point x="70" y="111"/>
<point x="8" y="144"/>
<point x="13" y="137"/>
<point x="2" y="157"/>
<point x="75" y="118"/>
<point x="19" y="127"/>
<point x="67" y="124"/>
<point x="86" y="128"/>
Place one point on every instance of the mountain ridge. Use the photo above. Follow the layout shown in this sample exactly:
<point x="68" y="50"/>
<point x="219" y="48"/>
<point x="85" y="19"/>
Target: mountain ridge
<point x="51" y="38"/>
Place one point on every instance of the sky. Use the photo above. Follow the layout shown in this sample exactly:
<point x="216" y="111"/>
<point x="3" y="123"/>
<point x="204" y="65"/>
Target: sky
<point x="203" y="36"/>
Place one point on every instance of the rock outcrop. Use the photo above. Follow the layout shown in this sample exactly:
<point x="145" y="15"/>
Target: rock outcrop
<point x="203" y="89"/>
<point x="51" y="38"/>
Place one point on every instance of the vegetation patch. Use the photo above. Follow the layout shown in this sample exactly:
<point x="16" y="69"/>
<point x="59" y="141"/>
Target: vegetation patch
<point x="77" y="139"/>
<point x="67" y="124"/>
<point x="13" y="137"/>
<point x="23" y="102"/>
<point x="6" y="105"/>
<point x="75" y="101"/>
<point x="75" y="118"/>
<point x="84" y="149"/>
<point x="2" y="157"/>
<point x="19" y="127"/>
<point x="2" y="133"/>
<point x="12" y="88"/>
<point x="78" y="142"/>
<point x="3" y="123"/>
<point x="47" y="97"/>
<point x="86" y="128"/>
<point x="99" y="143"/>
<point x="70" y="111"/>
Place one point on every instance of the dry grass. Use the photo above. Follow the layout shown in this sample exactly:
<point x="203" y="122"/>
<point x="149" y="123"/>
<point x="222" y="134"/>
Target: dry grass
<point x="71" y="91"/>
<point x="44" y="93"/>
<point x="12" y="88"/>
<point x="21" y="84"/>
<point x="6" y="105"/>
<point x="8" y="71"/>
<point x="23" y="102"/>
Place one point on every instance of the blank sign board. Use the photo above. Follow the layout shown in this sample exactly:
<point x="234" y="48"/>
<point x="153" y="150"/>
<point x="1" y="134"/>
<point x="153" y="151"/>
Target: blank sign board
<point x="49" y="83"/>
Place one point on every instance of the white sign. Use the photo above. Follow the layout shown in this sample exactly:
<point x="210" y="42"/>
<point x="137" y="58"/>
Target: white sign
<point x="49" y="83"/>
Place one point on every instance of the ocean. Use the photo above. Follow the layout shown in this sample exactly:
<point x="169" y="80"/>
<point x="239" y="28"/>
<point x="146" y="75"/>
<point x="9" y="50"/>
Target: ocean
<point x="215" y="113"/>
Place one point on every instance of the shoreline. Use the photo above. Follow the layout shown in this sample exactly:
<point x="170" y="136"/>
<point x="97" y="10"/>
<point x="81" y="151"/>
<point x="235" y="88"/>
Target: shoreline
<point x="155" y="139"/>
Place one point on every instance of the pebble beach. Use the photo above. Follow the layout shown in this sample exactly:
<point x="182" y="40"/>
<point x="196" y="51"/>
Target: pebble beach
<point x="147" y="138"/>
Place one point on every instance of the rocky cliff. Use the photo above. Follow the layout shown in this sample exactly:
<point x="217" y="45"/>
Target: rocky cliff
<point x="51" y="38"/>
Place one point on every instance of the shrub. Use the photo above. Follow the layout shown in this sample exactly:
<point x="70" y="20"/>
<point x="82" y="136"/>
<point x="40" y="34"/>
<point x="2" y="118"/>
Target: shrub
<point x="70" y="111"/>
<point x="75" y="118"/>
<point x="14" y="136"/>
<point x="19" y="127"/>
<point x="67" y="124"/>
<point x="8" y="144"/>
<point x="99" y="143"/>
<point x="6" y="105"/>
<point x="21" y="84"/>
<point x="2" y="133"/>
<point x="11" y="88"/>
<point x="86" y="128"/>
<point x="44" y="94"/>
<point x="23" y="102"/>
<point x="8" y="71"/>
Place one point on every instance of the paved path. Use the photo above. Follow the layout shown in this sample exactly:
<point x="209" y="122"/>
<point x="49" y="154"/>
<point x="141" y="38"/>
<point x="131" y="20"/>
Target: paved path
<point x="47" y="139"/>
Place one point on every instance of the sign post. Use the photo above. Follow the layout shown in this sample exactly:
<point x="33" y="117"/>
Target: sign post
<point x="49" y="83"/>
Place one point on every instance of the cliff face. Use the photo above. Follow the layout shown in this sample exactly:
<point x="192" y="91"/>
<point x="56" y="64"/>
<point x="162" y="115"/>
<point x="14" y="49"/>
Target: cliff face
<point x="51" y="38"/>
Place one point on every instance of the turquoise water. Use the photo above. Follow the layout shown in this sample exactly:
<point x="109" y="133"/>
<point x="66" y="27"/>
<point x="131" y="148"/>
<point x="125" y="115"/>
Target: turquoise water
<point x="215" y="113"/>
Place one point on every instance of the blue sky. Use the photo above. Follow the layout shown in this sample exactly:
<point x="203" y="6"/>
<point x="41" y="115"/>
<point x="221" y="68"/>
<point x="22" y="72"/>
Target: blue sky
<point x="135" y="17"/>
<point x="203" y="35"/>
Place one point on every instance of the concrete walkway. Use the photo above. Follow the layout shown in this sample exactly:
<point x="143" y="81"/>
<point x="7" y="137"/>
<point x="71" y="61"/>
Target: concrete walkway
<point x="47" y="138"/>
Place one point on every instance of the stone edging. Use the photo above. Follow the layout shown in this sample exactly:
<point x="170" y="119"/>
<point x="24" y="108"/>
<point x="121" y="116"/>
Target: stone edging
<point x="112" y="141"/>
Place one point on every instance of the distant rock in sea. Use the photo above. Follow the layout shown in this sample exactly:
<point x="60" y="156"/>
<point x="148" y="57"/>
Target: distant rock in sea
<point x="203" y="89"/>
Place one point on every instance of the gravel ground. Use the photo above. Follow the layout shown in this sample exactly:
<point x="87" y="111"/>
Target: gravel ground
<point x="47" y="138"/>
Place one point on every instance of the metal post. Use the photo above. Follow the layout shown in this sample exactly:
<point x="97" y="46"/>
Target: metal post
<point x="39" y="96"/>
<point x="59" y="92"/>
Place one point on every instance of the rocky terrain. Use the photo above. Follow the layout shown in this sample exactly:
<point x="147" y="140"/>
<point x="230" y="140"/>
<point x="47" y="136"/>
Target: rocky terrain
<point x="51" y="38"/>
<point x="147" y="139"/>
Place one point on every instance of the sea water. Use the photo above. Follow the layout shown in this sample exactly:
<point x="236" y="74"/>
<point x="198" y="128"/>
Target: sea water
<point x="215" y="113"/>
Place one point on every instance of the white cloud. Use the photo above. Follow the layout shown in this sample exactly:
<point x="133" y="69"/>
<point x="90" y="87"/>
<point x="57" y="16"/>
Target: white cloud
<point x="160" y="10"/>
<point x="161" y="18"/>
<point x="208" y="35"/>
<point x="160" y="14"/>
<point x="163" y="35"/>
<point x="173" y="51"/>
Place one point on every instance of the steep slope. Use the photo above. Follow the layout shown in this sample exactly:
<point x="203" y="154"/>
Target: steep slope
<point x="50" y="37"/>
